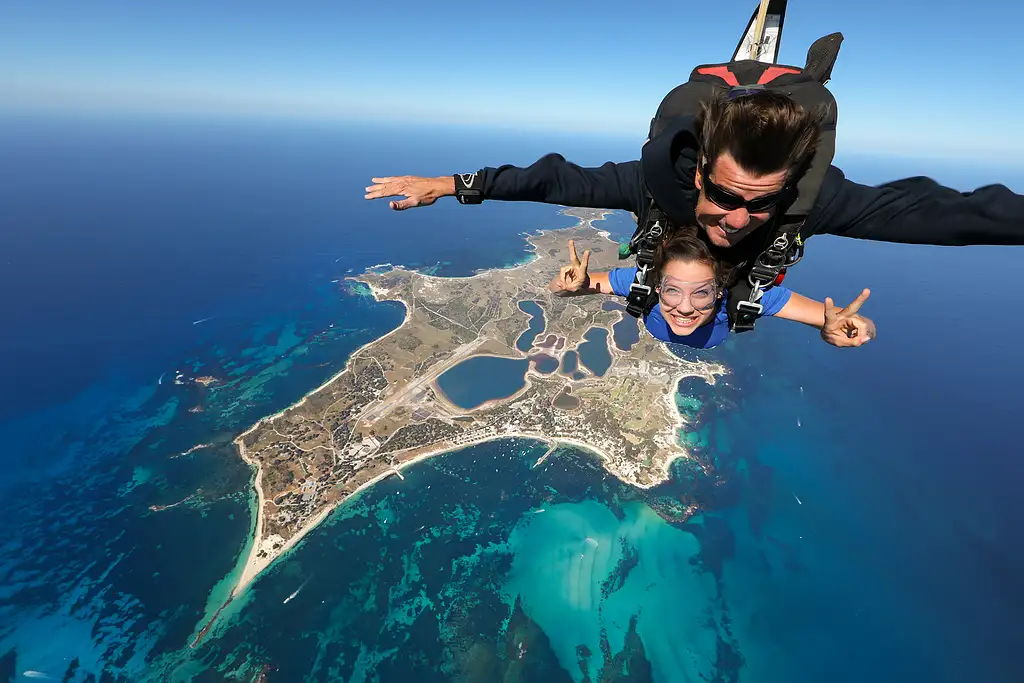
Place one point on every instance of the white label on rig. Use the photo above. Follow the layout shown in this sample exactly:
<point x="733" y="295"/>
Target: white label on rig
<point x="770" y="41"/>
<point x="768" y="49"/>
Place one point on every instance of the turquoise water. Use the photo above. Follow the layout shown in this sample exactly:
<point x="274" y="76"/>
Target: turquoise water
<point x="479" y="379"/>
<point x="476" y="557"/>
<point x="537" y="323"/>
<point x="859" y="515"/>
<point x="600" y="578"/>
<point x="214" y="249"/>
<point x="594" y="351"/>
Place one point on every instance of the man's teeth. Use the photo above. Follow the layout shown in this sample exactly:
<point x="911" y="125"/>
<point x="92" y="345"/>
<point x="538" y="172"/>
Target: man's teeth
<point x="684" y="319"/>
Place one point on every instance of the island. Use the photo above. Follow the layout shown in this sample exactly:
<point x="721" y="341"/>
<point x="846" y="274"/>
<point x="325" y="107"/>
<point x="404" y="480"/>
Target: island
<point x="386" y="409"/>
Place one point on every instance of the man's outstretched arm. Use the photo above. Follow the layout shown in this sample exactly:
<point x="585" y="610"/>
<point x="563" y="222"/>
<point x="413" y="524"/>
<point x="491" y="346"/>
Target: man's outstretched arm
<point x="549" y="180"/>
<point x="920" y="211"/>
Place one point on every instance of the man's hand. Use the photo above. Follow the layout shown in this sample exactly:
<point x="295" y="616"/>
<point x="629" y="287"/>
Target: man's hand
<point x="418" y="191"/>
<point x="573" y="278"/>
<point x="844" y="326"/>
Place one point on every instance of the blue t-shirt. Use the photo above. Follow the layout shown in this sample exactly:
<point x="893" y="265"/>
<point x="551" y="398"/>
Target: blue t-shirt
<point x="706" y="336"/>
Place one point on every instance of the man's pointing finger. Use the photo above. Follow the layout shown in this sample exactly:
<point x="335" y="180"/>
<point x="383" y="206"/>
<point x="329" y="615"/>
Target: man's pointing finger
<point x="857" y="303"/>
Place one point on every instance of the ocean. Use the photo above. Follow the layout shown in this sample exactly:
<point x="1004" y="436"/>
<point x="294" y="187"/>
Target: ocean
<point x="859" y="512"/>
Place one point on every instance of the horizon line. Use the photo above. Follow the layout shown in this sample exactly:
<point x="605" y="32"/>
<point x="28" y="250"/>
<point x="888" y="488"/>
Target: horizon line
<point x="1002" y="158"/>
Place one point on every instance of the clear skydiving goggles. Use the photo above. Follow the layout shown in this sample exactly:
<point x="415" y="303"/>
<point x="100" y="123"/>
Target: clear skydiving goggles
<point x="703" y="295"/>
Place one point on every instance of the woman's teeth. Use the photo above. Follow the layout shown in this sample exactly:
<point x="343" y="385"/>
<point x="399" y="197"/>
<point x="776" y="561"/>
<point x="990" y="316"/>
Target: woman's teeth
<point x="685" y="320"/>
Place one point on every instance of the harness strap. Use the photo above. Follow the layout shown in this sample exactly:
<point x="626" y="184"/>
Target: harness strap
<point x="784" y="249"/>
<point x="651" y="229"/>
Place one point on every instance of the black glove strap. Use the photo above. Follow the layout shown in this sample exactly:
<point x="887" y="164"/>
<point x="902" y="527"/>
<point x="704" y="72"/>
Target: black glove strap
<point x="469" y="188"/>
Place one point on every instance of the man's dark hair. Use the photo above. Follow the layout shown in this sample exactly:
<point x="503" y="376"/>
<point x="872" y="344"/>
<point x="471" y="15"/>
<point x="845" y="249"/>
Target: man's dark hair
<point x="685" y="244"/>
<point x="764" y="132"/>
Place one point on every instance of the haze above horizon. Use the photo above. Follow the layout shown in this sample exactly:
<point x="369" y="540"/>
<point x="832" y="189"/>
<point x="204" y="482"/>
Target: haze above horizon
<point x="909" y="79"/>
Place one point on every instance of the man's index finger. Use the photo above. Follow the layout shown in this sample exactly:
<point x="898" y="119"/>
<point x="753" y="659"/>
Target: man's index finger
<point x="857" y="303"/>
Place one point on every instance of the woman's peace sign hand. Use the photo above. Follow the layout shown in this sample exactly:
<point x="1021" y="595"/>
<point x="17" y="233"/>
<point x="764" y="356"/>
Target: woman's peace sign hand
<point x="573" y="278"/>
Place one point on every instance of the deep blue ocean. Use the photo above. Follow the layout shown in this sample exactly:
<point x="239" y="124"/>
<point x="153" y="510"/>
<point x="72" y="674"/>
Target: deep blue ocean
<point x="860" y="508"/>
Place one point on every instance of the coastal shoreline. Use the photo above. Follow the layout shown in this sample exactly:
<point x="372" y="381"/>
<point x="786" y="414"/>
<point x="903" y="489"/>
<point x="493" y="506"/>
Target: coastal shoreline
<point x="583" y="223"/>
<point x="255" y="565"/>
<point x="262" y="554"/>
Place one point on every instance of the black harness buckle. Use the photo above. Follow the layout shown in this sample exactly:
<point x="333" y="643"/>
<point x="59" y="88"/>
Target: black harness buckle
<point x="747" y="312"/>
<point x="637" y="287"/>
<point x="645" y="255"/>
<point x="635" y="308"/>
<point x="750" y="307"/>
<point x="639" y="297"/>
<point x="650" y="229"/>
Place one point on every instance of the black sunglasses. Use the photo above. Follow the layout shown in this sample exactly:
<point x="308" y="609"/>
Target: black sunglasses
<point x="730" y="202"/>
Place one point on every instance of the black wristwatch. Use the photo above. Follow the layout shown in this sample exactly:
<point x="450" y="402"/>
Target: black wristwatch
<point x="469" y="188"/>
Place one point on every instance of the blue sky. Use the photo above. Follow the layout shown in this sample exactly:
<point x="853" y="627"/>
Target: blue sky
<point x="903" y="81"/>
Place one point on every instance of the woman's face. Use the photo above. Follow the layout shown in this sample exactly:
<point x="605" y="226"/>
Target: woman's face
<point x="688" y="295"/>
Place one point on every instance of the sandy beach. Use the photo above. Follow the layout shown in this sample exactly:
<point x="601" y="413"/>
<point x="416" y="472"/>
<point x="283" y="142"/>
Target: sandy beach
<point x="256" y="563"/>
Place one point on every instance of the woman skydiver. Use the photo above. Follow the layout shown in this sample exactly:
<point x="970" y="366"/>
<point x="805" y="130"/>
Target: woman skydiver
<point x="691" y="306"/>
